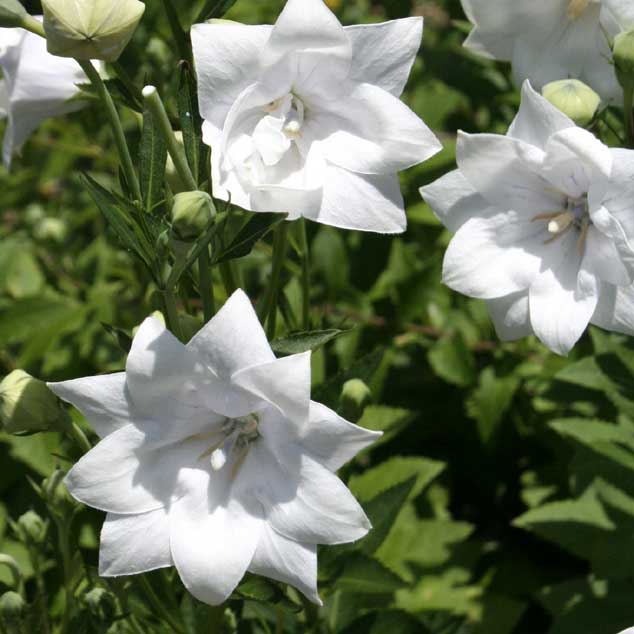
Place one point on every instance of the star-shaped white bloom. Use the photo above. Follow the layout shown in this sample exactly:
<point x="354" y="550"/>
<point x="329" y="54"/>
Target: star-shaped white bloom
<point x="544" y="222"/>
<point x="304" y="117"/>
<point x="36" y="86"/>
<point x="214" y="459"/>
<point x="556" y="39"/>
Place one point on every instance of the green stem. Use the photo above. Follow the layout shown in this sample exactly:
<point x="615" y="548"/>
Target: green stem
<point x="279" y="257"/>
<point x="215" y="617"/>
<point x="628" y="106"/>
<point x="178" y="33"/>
<point x="35" y="26"/>
<point x="305" y="274"/>
<point x="75" y="432"/>
<point x="117" y="129"/>
<point x="205" y="284"/>
<point x="158" y="606"/>
<point x="156" y="107"/>
<point x="171" y="313"/>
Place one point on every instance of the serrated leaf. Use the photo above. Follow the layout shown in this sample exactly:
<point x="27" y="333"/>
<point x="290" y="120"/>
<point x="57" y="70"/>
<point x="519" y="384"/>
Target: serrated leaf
<point x="303" y="341"/>
<point x="153" y="153"/>
<point x="452" y="361"/>
<point x="365" y="575"/>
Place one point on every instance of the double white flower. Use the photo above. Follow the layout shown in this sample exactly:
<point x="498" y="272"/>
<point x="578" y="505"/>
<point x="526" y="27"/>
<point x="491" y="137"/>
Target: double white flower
<point x="304" y="117"/>
<point x="553" y="39"/>
<point x="214" y="459"/>
<point x="36" y="86"/>
<point x="544" y="222"/>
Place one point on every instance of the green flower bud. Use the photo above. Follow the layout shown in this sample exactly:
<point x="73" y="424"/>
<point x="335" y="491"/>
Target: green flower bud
<point x="31" y="528"/>
<point x="101" y="604"/>
<point x="191" y="214"/>
<point x="12" y="13"/>
<point x="90" y="29"/>
<point x="623" y="54"/>
<point x="355" y="396"/>
<point x="27" y="405"/>
<point x="13" y="609"/>
<point x="50" y="229"/>
<point x="574" y="98"/>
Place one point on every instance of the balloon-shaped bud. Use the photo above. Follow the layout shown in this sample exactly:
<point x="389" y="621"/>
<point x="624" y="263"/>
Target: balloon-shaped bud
<point x="31" y="528"/>
<point x="574" y="98"/>
<point x="12" y="13"/>
<point x="623" y="54"/>
<point x="90" y="29"/>
<point x="355" y="396"/>
<point x="191" y="214"/>
<point x="13" y="609"/>
<point x="27" y="405"/>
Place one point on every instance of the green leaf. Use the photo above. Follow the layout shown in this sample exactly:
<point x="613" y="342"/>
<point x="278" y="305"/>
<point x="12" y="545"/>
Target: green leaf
<point x="452" y="361"/>
<point x="190" y="120"/>
<point x="153" y="153"/>
<point x="364" y="575"/>
<point x="123" y="339"/>
<point x="387" y="622"/>
<point x="214" y="9"/>
<point x="390" y="420"/>
<point x="303" y="341"/>
<point x="264" y="590"/>
<point x="36" y="451"/>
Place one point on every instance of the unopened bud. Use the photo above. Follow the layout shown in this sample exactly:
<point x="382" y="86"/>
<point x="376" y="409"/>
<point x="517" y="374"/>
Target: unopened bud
<point x="50" y="229"/>
<point x="191" y="214"/>
<point x="90" y="29"/>
<point x="12" y="13"/>
<point x="574" y="98"/>
<point x="101" y="605"/>
<point x="12" y="609"/>
<point x="623" y="54"/>
<point x="27" y="405"/>
<point x="355" y="395"/>
<point x="31" y="528"/>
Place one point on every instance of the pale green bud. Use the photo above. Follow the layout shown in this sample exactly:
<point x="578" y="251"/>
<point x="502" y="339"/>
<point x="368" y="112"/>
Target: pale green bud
<point x="50" y="229"/>
<point x="13" y="608"/>
<point x="12" y="13"/>
<point x="31" y="528"/>
<point x="623" y="54"/>
<point x="90" y="29"/>
<point x="27" y="405"/>
<point x="574" y="98"/>
<point x="101" y="605"/>
<point x="191" y="214"/>
<point x="355" y="396"/>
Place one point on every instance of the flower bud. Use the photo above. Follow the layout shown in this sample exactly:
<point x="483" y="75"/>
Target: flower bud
<point x="90" y="29"/>
<point x="31" y="528"/>
<point x="50" y="229"/>
<point x="12" y="13"/>
<point x="13" y="609"/>
<point x="191" y="214"/>
<point x="574" y="98"/>
<point x="623" y="54"/>
<point x="101" y="605"/>
<point x="27" y="405"/>
<point x="355" y="395"/>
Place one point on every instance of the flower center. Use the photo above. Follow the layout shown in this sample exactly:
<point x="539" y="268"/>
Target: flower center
<point x="290" y="111"/>
<point x="232" y="441"/>
<point x="576" y="8"/>
<point x="575" y="216"/>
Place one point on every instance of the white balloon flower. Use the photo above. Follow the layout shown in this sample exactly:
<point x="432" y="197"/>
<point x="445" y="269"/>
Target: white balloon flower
<point x="544" y="222"/>
<point x="214" y="459"/>
<point x="556" y="39"/>
<point x="36" y="86"/>
<point x="304" y="117"/>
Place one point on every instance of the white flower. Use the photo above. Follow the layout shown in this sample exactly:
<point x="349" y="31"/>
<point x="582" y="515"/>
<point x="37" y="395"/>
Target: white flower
<point x="214" y="459"/>
<point x="555" y="39"/>
<point x="544" y="221"/>
<point x="36" y="86"/>
<point x="304" y="117"/>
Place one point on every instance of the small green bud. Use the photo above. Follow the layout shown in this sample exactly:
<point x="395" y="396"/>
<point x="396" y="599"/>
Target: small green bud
<point x="27" y="405"/>
<point x="31" y="528"/>
<point x="355" y="396"/>
<point x="623" y="54"/>
<point x="101" y="604"/>
<point x="34" y="213"/>
<point x="90" y="29"/>
<point x="191" y="214"/>
<point x="574" y="98"/>
<point x="12" y="13"/>
<point x="13" y="609"/>
<point x="50" y="229"/>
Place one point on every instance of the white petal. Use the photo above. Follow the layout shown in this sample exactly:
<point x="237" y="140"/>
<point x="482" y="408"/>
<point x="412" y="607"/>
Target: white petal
<point x="615" y="309"/>
<point x="132" y="544"/>
<point x="226" y="57"/>
<point x="287" y="561"/>
<point x="4" y="99"/>
<point x="510" y="316"/>
<point x="370" y="131"/>
<point x="383" y="54"/>
<point x="234" y="339"/>
<point x="562" y="300"/>
<point x="332" y="440"/>
<point x="212" y="538"/>
<point x="361" y="202"/>
<point x="537" y="119"/>
<point x="454" y="200"/>
<point x="506" y="172"/>
<point x="602" y="259"/>
<point x="103" y="400"/>
<point x="491" y="36"/>
<point x="285" y="383"/>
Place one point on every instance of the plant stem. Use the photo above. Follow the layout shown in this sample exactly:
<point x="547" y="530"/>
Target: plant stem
<point x="215" y="614"/>
<point x="305" y="255"/>
<point x="177" y="31"/>
<point x="76" y="433"/>
<point x="279" y="256"/>
<point x="628" y="106"/>
<point x="205" y="284"/>
<point x="35" y="26"/>
<point x="156" y="107"/>
<point x="171" y="314"/>
<point x="115" y="123"/>
<point x="158" y="606"/>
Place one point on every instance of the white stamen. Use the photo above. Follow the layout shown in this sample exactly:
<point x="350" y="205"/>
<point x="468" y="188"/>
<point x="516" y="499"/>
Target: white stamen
<point x="218" y="459"/>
